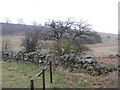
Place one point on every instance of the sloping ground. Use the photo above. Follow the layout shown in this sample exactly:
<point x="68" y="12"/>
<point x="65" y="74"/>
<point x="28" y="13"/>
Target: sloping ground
<point x="105" y="81"/>
<point x="63" y="78"/>
<point x="108" y="60"/>
<point x="109" y="81"/>
<point x="17" y="75"/>
<point x="16" y="29"/>
<point x="105" y="49"/>
<point x="105" y="35"/>
<point x="108" y="47"/>
<point x="14" y="42"/>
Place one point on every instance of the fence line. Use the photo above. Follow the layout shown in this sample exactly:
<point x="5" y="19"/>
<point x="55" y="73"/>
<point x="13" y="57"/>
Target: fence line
<point x="43" y="79"/>
<point x="8" y="56"/>
<point x="32" y="84"/>
<point x="43" y="76"/>
<point x="51" y="72"/>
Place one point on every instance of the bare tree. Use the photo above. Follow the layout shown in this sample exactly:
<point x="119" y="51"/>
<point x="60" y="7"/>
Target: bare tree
<point x="34" y="23"/>
<point x="82" y="29"/>
<point x="7" y="20"/>
<point x="77" y="33"/>
<point x="20" y="21"/>
<point x="58" y="28"/>
<point x="83" y="33"/>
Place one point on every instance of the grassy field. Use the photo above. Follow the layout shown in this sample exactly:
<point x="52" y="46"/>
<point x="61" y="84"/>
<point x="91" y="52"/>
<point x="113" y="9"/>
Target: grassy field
<point x="108" y="47"/>
<point x="14" y="42"/>
<point x="17" y="75"/>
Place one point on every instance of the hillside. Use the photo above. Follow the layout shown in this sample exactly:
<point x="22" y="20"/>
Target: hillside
<point x="106" y="35"/>
<point x="17" y="75"/>
<point x="13" y="29"/>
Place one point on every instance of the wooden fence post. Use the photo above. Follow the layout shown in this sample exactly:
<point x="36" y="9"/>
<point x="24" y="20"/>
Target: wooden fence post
<point x="43" y="79"/>
<point x="50" y="71"/>
<point x="23" y="57"/>
<point x="12" y="55"/>
<point x="31" y="84"/>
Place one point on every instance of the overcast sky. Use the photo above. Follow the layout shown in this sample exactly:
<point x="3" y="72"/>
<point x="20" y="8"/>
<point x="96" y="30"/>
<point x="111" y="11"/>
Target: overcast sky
<point x="102" y="14"/>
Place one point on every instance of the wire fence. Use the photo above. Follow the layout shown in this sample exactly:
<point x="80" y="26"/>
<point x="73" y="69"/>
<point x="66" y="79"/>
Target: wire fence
<point x="31" y="81"/>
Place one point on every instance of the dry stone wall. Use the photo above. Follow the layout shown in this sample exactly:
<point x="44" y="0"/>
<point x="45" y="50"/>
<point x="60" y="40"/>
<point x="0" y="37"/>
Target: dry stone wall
<point x="69" y="61"/>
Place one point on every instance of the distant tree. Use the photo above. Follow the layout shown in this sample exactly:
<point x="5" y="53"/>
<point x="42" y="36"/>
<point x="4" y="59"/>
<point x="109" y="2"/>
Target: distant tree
<point x="31" y="41"/>
<point x="96" y="38"/>
<point x="20" y="21"/>
<point x="108" y="36"/>
<point x="39" y="24"/>
<point x="34" y="23"/>
<point x="84" y="34"/>
<point x="7" y="20"/>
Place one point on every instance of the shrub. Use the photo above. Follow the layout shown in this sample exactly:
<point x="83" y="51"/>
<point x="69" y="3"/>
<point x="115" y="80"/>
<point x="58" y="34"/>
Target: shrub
<point x="62" y="47"/>
<point x="80" y="50"/>
<point x="30" y="42"/>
